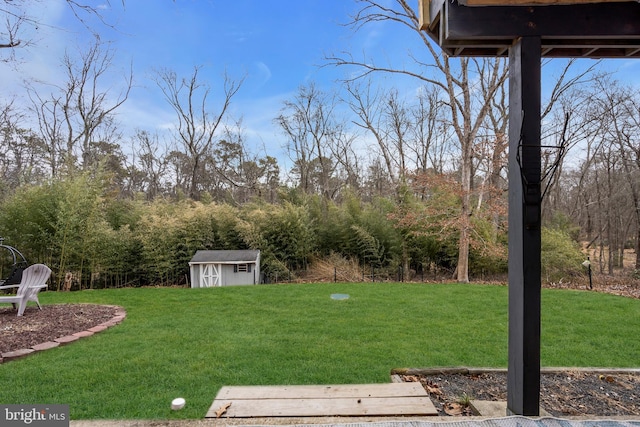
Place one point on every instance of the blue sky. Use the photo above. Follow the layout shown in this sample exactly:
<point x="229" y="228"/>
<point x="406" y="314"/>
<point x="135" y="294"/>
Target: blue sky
<point x="277" y="45"/>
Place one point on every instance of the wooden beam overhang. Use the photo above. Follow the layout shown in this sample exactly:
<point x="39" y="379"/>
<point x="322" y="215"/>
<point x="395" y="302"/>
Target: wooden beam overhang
<point x="531" y="2"/>
<point x="490" y="31"/>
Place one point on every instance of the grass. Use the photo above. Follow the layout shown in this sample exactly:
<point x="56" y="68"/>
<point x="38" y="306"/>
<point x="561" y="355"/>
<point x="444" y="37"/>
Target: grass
<point x="190" y="342"/>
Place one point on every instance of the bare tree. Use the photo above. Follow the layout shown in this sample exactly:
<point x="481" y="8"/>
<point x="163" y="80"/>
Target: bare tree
<point x="630" y="150"/>
<point x="50" y="115"/>
<point x="578" y="184"/>
<point x="18" y="22"/>
<point x="377" y="182"/>
<point x="601" y="194"/>
<point x="428" y="139"/>
<point x="20" y="155"/>
<point x="410" y="137"/>
<point x="469" y="89"/>
<point x="368" y="104"/>
<point x="225" y="176"/>
<point x="73" y="117"/>
<point x="197" y="126"/>
<point x="236" y="175"/>
<point x="458" y="79"/>
<point x="619" y="107"/>
<point x="148" y="170"/>
<point x="313" y="130"/>
<point x="92" y="110"/>
<point x="348" y="161"/>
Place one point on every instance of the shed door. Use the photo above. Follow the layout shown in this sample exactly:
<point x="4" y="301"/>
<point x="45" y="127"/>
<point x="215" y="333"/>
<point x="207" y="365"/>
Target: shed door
<point x="209" y="275"/>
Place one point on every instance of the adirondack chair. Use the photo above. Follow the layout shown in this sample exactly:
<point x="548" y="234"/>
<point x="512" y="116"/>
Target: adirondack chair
<point x="34" y="278"/>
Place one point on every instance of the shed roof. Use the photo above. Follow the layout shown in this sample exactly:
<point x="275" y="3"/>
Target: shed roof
<point x="232" y="256"/>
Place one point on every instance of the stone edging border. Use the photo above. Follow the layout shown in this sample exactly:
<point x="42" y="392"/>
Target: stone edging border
<point x="118" y="317"/>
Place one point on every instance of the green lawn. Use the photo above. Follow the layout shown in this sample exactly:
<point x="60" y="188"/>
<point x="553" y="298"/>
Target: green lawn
<point x="190" y="342"/>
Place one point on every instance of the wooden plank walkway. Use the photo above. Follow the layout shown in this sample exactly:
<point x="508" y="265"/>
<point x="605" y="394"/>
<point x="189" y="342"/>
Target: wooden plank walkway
<point x="322" y="400"/>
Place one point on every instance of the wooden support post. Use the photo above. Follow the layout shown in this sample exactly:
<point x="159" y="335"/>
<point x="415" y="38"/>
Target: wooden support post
<point x="523" y="378"/>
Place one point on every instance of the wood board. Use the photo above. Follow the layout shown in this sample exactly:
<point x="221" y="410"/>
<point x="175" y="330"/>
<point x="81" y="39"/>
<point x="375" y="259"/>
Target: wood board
<point x="322" y="400"/>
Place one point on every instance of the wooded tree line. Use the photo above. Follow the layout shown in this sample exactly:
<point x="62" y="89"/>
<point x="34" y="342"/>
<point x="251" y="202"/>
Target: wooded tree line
<point x="389" y="179"/>
<point x="92" y="238"/>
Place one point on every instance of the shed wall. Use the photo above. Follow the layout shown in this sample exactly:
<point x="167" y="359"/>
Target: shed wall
<point x="228" y="273"/>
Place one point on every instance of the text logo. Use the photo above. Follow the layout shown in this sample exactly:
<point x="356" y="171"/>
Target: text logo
<point x="34" y="415"/>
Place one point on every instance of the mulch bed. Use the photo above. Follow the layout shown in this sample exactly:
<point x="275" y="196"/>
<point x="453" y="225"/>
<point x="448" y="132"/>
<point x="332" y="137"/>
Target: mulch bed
<point x="53" y="321"/>
<point x="571" y="393"/>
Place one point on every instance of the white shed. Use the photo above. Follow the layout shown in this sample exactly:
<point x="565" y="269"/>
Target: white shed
<point x="225" y="268"/>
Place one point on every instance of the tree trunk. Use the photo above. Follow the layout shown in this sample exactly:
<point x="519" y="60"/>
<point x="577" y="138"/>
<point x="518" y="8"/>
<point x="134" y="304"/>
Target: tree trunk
<point x="465" y="216"/>
<point x="638" y="245"/>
